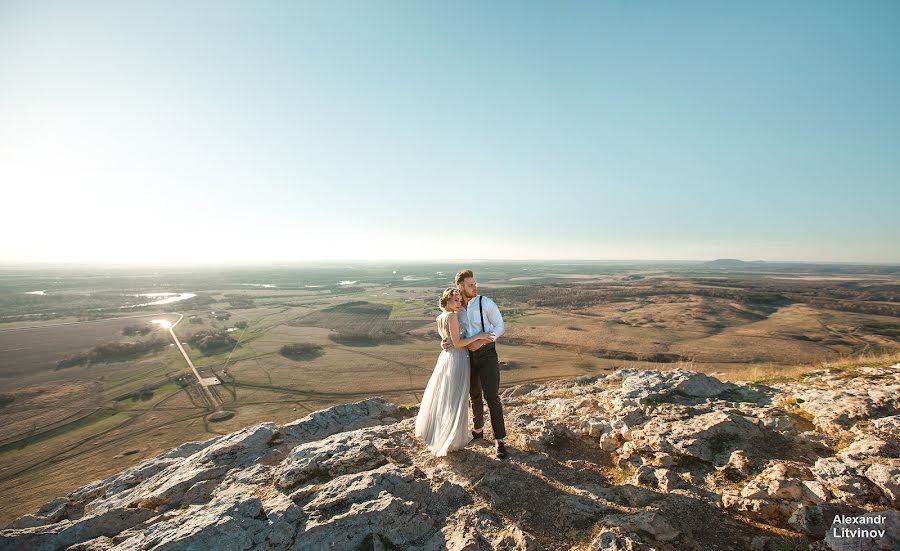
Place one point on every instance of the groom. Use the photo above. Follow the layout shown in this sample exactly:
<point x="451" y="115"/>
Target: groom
<point x="480" y="314"/>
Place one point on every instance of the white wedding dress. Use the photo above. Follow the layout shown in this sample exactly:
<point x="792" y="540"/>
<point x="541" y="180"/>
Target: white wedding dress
<point x="443" y="419"/>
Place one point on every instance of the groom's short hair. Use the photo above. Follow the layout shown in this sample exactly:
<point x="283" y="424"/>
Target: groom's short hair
<point x="462" y="275"/>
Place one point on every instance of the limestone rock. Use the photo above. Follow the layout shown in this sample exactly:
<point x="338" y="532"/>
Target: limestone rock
<point x="339" y="454"/>
<point x="738" y="462"/>
<point x="519" y="390"/>
<point x="870" y="446"/>
<point x="842" y="481"/>
<point x="323" y="423"/>
<point x="543" y="433"/>
<point x="888" y="426"/>
<point x="395" y="503"/>
<point x="229" y="523"/>
<point x="836" y="409"/>
<point x="775" y="494"/>
<point x="778" y="481"/>
<point x="67" y="532"/>
<point x="708" y="436"/>
<point x="645" y="386"/>
<point x="662" y="479"/>
<point x="651" y="523"/>
<point x="887" y="478"/>
<point x="617" y="539"/>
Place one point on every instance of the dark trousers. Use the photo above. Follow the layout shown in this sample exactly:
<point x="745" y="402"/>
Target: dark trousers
<point x="485" y="380"/>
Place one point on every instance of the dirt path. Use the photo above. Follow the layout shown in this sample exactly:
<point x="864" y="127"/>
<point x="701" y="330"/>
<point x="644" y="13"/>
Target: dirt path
<point x="211" y="399"/>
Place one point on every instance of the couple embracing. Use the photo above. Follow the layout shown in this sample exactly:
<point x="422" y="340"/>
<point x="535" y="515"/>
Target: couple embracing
<point x="467" y="367"/>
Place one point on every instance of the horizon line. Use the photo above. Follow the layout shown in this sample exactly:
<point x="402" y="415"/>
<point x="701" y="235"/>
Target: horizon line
<point x="281" y="263"/>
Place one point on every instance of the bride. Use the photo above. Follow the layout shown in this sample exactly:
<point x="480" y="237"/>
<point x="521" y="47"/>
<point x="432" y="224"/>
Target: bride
<point x="443" y="419"/>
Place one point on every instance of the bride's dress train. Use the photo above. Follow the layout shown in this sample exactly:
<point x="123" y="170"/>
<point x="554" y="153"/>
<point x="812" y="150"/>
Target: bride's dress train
<point x="443" y="419"/>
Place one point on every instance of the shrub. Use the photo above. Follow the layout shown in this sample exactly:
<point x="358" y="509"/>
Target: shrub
<point x="362" y="307"/>
<point x="146" y="393"/>
<point x="133" y="330"/>
<point x="212" y="341"/>
<point x="301" y="351"/>
<point x="239" y="302"/>
<point x="113" y="352"/>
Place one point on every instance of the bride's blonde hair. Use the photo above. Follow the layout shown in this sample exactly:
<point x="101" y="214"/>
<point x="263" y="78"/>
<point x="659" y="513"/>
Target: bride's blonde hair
<point x="446" y="296"/>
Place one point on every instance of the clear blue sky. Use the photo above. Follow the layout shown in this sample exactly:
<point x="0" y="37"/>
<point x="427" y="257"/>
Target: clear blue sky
<point x="253" y="131"/>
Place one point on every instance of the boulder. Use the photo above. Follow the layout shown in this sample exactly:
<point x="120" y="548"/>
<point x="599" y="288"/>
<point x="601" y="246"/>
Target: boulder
<point x="655" y="385"/>
<point x="842" y="480"/>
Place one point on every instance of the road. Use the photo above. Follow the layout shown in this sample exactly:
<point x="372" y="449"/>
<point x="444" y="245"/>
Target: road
<point x="209" y="396"/>
<point x="204" y="383"/>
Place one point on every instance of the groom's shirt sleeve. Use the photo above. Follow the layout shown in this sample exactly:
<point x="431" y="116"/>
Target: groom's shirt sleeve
<point x="492" y="314"/>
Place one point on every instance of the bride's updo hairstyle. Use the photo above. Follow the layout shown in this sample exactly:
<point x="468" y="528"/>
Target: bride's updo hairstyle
<point x="446" y="296"/>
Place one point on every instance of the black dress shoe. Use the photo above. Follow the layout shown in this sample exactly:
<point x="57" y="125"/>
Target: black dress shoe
<point x="477" y="436"/>
<point x="501" y="450"/>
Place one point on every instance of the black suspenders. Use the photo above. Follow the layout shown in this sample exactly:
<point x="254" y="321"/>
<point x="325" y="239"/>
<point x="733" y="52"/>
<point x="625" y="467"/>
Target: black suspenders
<point x="489" y="346"/>
<point x="481" y="311"/>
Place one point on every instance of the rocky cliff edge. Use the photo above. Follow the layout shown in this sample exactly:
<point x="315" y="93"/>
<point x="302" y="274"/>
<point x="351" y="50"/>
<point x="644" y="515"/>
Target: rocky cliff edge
<point x="637" y="460"/>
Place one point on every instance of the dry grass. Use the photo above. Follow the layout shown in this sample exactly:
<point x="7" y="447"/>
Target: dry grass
<point x="843" y="441"/>
<point x="620" y="475"/>
<point x="710" y="336"/>
<point x="871" y="359"/>
<point x="792" y="405"/>
<point x="775" y="373"/>
<point x="768" y="372"/>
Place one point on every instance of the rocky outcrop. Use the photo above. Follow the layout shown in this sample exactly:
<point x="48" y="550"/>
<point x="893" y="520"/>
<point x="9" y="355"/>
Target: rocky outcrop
<point x="836" y="407"/>
<point x="636" y="460"/>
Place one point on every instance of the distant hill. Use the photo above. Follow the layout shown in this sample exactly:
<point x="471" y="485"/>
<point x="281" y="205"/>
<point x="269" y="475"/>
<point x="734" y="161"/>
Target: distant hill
<point x="733" y="263"/>
<point x="799" y="267"/>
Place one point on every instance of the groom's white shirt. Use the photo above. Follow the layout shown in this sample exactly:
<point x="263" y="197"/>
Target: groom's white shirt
<point x="470" y="317"/>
